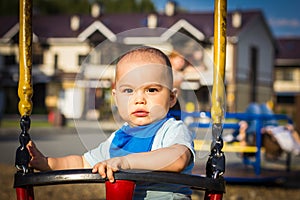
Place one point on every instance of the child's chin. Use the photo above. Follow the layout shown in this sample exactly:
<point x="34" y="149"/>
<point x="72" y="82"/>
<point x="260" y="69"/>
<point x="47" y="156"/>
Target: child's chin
<point x="142" y="122"/>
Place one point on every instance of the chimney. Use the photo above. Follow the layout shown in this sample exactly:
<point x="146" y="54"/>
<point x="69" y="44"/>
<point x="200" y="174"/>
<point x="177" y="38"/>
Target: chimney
<point x="170" y="8"/>
<point x="75" y="22"/>
<point x="96" y="10"/>
<point x="152" y="21"/>
<point x="236" y="19"/>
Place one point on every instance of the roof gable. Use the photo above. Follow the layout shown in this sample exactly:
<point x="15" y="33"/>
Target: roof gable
<point x="14" y="32"/>
<point x="97" y="26"/>
<point x="157" y="35"/>
<point x="185" y="25"/>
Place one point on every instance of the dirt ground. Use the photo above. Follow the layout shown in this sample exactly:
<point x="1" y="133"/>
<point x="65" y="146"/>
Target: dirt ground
<point x="97" y="191"/>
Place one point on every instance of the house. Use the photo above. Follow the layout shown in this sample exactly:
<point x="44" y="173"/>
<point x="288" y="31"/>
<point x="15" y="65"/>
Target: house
<point x="287" y="77"/>
<point x="71" y="52"/>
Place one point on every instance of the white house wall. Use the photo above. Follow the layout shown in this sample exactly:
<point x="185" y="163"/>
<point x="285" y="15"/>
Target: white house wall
<point x="256" y="35"/>
<point x="8" y="49"/>
<point x="71" y="103"/>
<point x="229" y="62"/>
<point x="67" y="56"/>
<point x="289" y="86"/>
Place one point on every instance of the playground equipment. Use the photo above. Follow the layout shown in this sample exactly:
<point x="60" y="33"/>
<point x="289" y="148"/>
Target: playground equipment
<point x="232" y="123"/>
<point x="25" y="179"/>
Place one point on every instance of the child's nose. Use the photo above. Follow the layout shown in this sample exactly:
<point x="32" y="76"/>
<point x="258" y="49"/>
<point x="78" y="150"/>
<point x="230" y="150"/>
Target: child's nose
<point x="139" y="98"/>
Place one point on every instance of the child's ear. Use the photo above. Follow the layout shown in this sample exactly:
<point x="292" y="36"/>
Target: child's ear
<point x="173" y="97"/>
<point x="113" y="93"/>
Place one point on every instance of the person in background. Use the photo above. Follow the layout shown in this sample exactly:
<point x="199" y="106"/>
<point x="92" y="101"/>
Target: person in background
<point x="247" y="129"/>
<point x="275" y="138"/>
<point x="285" y="136"/>
<point x="178" y="65"/>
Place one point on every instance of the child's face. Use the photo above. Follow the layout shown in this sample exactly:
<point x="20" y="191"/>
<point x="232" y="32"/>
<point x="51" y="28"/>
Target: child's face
<point x="143" y="92"/>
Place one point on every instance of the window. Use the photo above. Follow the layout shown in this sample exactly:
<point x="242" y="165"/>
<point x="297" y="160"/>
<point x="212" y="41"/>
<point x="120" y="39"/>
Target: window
<point x="286" y="99"/>
<point x="253" y="72"/>
<point x="81" y="59"/>
<point x="284" y="75"/>
<point x="55" y="61"/>
<point x="278" y="75"/>
<point x="37" y="59"/>
<point x="9" y="60"/>
<point x="287" y="75"/>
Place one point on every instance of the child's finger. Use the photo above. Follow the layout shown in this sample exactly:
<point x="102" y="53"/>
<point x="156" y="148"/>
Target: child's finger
<point x="110" y="175"/>
<point x="30" y="148"/>
<point x="31" y="144"/>
<point x="101" y="169"/>
<point x="33" y="151"/>
<point x="94" y="170"/>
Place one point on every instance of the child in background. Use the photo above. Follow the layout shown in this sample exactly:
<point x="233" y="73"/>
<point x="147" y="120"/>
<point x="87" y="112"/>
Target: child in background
<point x="275" y="138"/>
<point x="150" y="139"/>
<point x="284" y="136"/>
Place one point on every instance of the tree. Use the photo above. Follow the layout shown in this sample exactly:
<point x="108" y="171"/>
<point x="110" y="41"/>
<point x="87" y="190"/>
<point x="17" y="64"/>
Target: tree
<point x="61" y="6"/>
<point x="9" y="7"/>
<point x="127" y="6"/>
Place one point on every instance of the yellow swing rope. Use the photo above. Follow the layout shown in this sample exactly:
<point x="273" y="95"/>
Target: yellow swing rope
<point x="25" y="89"/>
<point x="215" y="166"/>
<point x="218" y="92"/>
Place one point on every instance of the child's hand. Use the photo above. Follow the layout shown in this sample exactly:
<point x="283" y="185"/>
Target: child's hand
<point x="243" y="125"/>
<point x="38" y="160"/>
<point x="107" y="168"/>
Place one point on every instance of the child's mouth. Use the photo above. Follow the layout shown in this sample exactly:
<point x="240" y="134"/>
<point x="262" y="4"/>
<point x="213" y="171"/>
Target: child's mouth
<point x="140" y="113"/>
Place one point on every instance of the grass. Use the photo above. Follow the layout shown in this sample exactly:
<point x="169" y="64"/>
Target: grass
<point x="16" y="123"/>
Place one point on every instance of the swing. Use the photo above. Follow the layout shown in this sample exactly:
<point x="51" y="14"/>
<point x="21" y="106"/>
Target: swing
<point x="25" y="179"/>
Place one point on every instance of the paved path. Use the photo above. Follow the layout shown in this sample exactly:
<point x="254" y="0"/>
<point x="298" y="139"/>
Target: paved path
<point x="55" y="141"/>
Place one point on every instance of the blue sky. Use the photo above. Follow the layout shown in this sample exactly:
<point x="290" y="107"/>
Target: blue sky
<point x="283" y="16"/>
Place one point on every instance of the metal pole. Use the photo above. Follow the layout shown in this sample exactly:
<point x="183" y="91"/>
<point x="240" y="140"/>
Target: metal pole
<point x="25" y="91"/>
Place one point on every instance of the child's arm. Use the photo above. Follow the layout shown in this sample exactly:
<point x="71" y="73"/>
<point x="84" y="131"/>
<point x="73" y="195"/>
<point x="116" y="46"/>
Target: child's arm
<point x="40" y="162"/>
<point x="174" y="158"/>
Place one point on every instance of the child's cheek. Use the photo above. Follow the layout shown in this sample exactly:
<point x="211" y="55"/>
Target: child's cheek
<point x="157" y="111"/>
<point x="125" y="102"/>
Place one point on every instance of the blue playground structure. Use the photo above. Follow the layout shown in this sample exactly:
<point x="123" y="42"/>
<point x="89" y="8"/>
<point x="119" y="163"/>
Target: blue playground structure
<point x="232" y="123"/>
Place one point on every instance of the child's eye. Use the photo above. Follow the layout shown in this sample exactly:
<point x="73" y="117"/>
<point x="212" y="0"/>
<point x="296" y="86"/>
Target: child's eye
<point x="127" y="90"/>
<point x="152" y="90"/>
